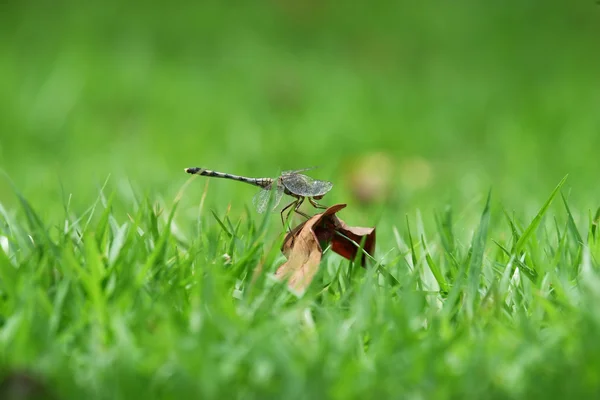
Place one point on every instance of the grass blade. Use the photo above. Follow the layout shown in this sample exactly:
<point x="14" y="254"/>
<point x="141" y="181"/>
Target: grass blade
<point x="435" y="269"/>
<point x="159" y="249"/>
<point x="571" y="222"/>
<point x="478" y="246"/>
<point x="229" y="234"/>
<point x="538" y="218"/>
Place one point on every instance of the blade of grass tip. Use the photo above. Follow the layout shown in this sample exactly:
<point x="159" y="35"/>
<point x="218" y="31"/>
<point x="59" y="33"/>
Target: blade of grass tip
<point x="101" y="189"/>
<point x="594" y="224"/>
<point x="435" y="270"/>
<point x="538" y="218"/>
<point x="159" y="249"/>
<point x="232" y="229"/>
<point x="234" y="237"/>
<point x="102" y="226"/>
<point x="229" y="235"/>
<point x="451" y="304"/>
<point x="76" y="223"/>
<point x="571" y="222"/>
<point x="137" y="220"/>
<point x="565" y="250"/>
<point x="513" y="229"/>
<point x="391" y="279"/>
<point x="558" y="255"/>
<point x="561" y="249"/>
<point x="249" y="225"/>
<point x="475" y="267"/>
<point x="38" y="230"/>
<point x="117" y="244"/>
<point x="448" y="240"/>
<point x="546" y="234"/>
<point x="93" y="208"/>
<point x="410" y="242"/>
<point x="559" y="234"/>
<point x="153" y="219"/>
<point x="444" y="227"/>
<point x="531" y="274"/>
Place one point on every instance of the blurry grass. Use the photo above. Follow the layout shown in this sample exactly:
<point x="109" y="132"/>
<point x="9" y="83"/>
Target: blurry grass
<point x="114" y="307"/>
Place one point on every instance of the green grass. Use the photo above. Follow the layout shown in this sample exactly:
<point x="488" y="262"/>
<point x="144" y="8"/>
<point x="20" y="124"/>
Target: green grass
<point x="118" y="307"/>
<point x="119" y="278"/>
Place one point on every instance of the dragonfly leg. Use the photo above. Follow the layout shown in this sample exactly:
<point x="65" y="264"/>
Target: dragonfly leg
<point x="299" y="201"/>
<point x="315" y="204"/>
<point x="297" y="208"/>
<point x="293" y="203"/>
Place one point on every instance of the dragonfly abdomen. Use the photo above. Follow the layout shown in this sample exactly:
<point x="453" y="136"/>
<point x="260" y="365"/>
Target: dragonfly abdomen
<point x="262" y="182"/>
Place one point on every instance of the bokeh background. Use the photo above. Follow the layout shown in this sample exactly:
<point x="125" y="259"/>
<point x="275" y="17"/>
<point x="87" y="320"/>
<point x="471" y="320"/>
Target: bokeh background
<point x="402" y="104"/>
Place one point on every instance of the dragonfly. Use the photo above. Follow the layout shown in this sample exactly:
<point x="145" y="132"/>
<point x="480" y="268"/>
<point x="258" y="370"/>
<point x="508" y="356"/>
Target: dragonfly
<point x="291" y="183"/>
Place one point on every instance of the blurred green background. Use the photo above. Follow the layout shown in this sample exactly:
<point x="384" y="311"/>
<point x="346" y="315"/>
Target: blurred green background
<point x="440" y="100"/>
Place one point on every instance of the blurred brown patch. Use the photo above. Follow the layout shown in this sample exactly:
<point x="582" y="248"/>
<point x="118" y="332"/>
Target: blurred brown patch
<point x="23" y="386"/>
<point x="303" y="246"/>
<point x="373" y="177"/>
<point x="370" y="178"/>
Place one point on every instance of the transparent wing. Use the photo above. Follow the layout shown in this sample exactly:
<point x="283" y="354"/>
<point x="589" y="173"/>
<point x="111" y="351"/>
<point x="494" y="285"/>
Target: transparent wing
<point x="295" y="171"/>
<point x="303" y="185"/>
<point x="278" y="196"/>
<point x="261" y="199"/>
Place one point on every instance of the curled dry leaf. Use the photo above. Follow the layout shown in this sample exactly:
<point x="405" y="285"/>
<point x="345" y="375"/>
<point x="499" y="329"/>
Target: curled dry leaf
<point x="348" y="248"/>
<point x="303" y="246"/>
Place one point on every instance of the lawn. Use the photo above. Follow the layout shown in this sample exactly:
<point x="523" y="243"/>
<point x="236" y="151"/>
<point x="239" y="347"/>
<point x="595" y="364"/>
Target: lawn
<point x="465" y="133"/>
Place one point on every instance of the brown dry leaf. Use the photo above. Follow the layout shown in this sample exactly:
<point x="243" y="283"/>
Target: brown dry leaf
<point x="303" y="246"/>
<point x="303" y="253"/>
<point x="315" y="220"/>
<point x="347" y="248"/>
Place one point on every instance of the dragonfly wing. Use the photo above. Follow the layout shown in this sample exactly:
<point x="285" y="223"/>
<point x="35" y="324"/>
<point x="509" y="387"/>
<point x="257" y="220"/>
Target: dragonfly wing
<point x="321" y="187"/>
<point x="303" y="185"/>
<point x="295" y="171"/>
<point x="261" y="199"/>
<point x="278" y="195"/>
